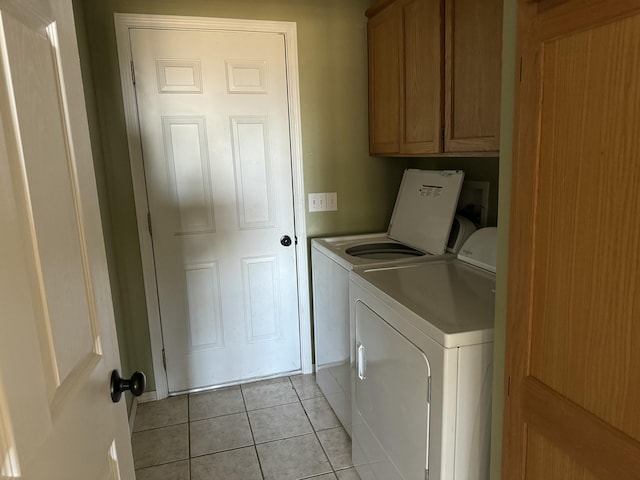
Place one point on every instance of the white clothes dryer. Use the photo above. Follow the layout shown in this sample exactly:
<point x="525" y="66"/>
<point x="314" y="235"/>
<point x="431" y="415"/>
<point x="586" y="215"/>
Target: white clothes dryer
<point x="419" y="230"/>
<point x="423" y="360"/>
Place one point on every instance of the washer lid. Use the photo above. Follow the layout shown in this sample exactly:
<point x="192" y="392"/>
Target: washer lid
<point x="425" y="207"/>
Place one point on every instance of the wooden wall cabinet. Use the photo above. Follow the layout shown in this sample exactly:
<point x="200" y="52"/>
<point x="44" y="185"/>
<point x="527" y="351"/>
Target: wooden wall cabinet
<point x="434" y="76"/>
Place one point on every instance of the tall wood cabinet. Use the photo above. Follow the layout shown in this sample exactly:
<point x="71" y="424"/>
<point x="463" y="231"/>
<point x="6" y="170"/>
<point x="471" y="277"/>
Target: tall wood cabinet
<point x="434" y="76"/>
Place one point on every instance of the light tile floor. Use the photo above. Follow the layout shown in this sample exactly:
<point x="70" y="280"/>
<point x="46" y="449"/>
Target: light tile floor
<point x="280" y="429"/>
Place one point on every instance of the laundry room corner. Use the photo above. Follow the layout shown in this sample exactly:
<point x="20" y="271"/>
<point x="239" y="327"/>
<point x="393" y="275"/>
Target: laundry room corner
<point x="333" y="95"/>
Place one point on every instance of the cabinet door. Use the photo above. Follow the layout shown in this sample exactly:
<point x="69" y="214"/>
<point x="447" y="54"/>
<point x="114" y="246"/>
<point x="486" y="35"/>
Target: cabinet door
<point x="421" y="87"/>
<point x="384" y="81"/>
<point x="472" y="75"/>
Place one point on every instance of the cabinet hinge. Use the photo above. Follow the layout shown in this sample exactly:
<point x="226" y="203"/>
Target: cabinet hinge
<point x="164" y="359"/>
<point x="133" y="73"/>
<point x="520" y="68"/>
<point x="149" y="224"/>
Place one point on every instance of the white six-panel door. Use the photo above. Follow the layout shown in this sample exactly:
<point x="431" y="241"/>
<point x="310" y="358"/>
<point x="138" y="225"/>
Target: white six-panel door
<point x="57" y="338"/>
<point x="214" y="132"/>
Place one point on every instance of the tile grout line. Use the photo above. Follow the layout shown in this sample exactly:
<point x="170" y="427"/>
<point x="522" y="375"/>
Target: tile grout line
<point x="315" y="433"/>
<point x="273" y="406"/>
<point x="189" y="433"/>
<point x="285" y="438"/>
<point x="159" y="428"/>
<point x="146" y="467"/>
<point x="219" y="416"/>
<point x="255" y="447"/>
<point x="324" y="450"/>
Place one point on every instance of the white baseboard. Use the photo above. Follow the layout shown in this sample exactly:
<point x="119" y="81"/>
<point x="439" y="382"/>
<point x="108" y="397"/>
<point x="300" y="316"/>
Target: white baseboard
<point x="144" y="398"/>
<point x="147" y="397"/>
<point x="132" y="414"/>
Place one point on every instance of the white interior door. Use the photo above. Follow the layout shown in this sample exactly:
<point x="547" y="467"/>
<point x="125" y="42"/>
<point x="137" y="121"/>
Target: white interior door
<point x="57" y="341"/>
<point x="214" y="130"/>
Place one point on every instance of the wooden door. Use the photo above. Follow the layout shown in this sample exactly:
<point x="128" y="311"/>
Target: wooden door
<point x="57" y="332"/>
<point x="572" y="407"/>
<point x="214" y="125"/>
<point x="473" y="59"/>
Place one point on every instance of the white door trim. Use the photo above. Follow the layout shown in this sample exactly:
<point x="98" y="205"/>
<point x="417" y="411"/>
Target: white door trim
<point x="123" y="23"/>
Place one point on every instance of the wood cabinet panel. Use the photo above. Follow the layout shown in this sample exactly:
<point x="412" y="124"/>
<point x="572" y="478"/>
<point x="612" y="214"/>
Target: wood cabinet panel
<point x="384" y="81"/>
<point x="473" y="59"/>
<point x="421" y="91"/>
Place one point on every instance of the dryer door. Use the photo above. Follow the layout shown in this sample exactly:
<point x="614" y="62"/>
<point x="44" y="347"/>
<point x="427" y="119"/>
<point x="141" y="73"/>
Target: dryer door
<point x="391" y="403"/>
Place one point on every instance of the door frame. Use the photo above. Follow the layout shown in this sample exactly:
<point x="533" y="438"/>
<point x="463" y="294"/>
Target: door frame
<point x="123" y="23"/>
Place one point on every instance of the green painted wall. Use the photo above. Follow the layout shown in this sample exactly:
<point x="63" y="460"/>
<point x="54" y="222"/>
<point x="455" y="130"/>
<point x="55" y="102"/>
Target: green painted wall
<point x="333" y="91"/>
<point x="114" y="189"/>
<point x="101" y="182"/>
<point x="506" y="147"/>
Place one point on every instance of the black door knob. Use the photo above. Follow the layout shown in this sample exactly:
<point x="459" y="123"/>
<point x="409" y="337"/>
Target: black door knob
<point x="137" y="383"/>
<point x="285" y="240"/>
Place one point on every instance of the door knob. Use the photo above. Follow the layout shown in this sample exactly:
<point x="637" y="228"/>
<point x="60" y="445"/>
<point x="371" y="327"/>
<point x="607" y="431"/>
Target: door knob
<point x="285" y="240"/>
<point x="137" y="383"/>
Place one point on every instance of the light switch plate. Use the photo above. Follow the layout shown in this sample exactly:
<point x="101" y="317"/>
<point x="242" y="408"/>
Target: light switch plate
<point x="332" y="201"/>
<point x="317" y="202"/>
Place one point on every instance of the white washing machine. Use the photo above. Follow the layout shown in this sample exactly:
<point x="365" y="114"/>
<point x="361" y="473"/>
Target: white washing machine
<point x="423" y="361"/>
<point x="419" y="231"/>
